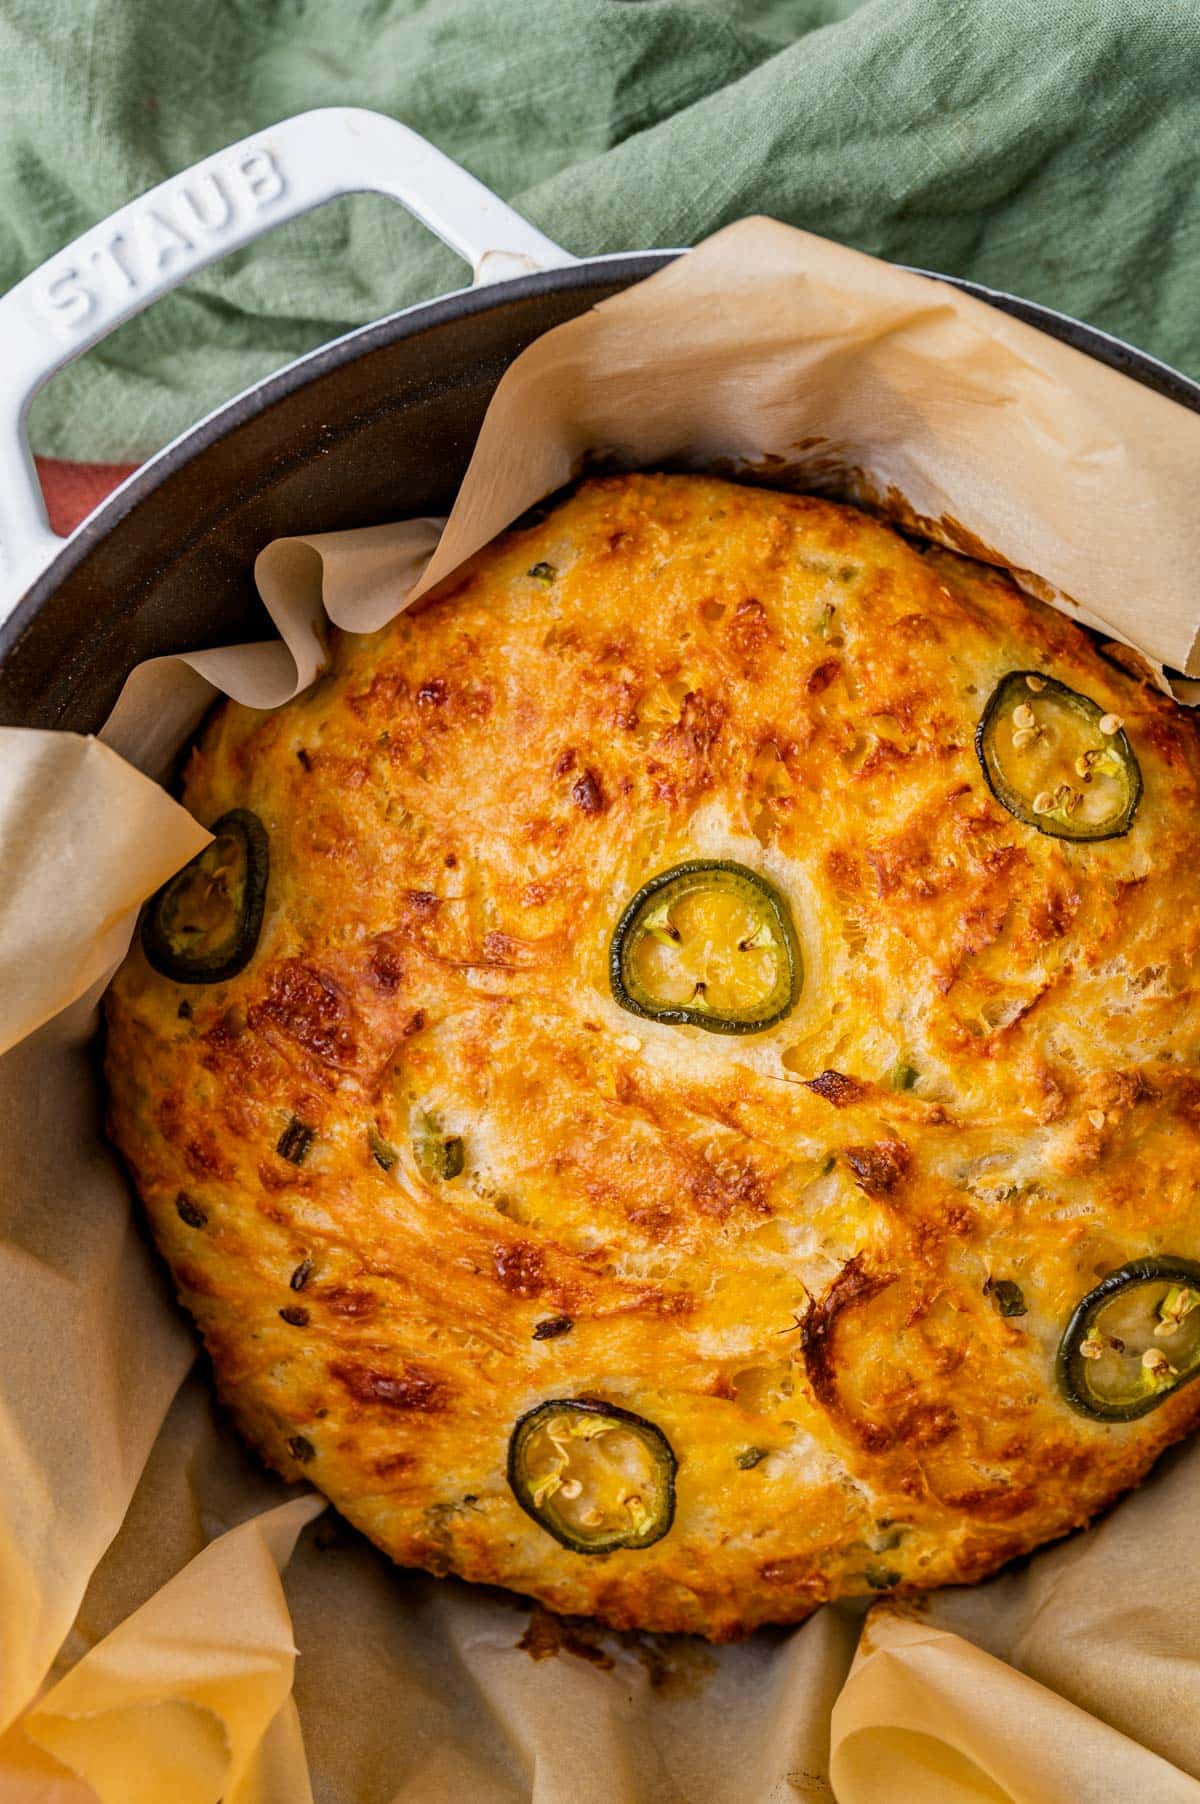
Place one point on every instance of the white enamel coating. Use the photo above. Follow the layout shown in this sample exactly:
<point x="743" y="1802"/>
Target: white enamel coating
<point x="223" y="203"/>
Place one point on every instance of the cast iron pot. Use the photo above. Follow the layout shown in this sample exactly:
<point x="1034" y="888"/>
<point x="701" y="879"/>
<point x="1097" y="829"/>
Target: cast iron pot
<point x="375" y="426"/>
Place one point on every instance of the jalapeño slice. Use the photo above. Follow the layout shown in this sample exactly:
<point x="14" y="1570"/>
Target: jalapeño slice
<point x="594" y="1476"/>
<point x="1133" y="1340"/>
<point x="707" y="945"/>
<point x="204" y="923"/>
<point x="1056" y="760"/>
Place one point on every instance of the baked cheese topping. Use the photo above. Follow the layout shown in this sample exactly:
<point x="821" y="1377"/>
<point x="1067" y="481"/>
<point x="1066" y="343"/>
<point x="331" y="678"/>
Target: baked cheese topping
<point x="675" y="1090"/>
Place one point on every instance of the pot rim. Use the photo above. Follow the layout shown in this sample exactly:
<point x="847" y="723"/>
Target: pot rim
<point x="628" y="267"/>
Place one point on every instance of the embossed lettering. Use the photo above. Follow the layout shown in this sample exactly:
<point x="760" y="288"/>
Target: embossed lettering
<point x="163" y="238"/>
<point x="110" y="257"/>
<point x="261" y="177"/>
<point x="207" y="202"/>
<point x="65" y="298"/>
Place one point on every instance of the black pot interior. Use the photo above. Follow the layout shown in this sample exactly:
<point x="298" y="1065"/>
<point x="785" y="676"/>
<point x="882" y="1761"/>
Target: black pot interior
<point x="375" y="427"/>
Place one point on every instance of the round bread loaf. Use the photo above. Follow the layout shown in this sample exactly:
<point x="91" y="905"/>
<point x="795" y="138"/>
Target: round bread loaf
<point x="674" y="1089"/>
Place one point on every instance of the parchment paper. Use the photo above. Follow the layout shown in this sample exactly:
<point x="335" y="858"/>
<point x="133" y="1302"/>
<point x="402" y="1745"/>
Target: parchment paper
<point x="154" y="1582"/>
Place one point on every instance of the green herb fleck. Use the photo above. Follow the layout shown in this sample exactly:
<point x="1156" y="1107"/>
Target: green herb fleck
<point x="749" y="1457"/>
<point x="882" y="1578"/>
<point x="553" y="1327"/>
<point x="437" y="1155"/>
<point x="301" y="1275"/>
<point x="1007" y="1296"/>
<point x="189" y="1211"/>
<point x="543" y="573"/>
<point x="827" y="1164"/>
<point x="301" y="1448"/>
<point x="382" y="1151"/>
<point x="904" y="1076"/>
<point x="295" y="1141"/>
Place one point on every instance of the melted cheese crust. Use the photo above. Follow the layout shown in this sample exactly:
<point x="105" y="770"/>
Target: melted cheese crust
<point x="458" y="811"/>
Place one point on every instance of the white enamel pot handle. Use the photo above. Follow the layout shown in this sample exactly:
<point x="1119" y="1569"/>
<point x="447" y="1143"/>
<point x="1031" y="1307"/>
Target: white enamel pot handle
<point x="223" y="203"/>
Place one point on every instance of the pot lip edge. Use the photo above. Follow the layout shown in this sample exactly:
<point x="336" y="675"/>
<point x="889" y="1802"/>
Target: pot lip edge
<point x="229" y="415"/>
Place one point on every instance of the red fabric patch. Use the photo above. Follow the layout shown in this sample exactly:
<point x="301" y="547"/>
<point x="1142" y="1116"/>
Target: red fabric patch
<point x="73" y="490"/>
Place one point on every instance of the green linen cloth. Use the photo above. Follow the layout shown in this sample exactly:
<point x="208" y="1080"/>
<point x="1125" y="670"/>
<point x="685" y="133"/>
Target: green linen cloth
<point x="1044" y="146"/>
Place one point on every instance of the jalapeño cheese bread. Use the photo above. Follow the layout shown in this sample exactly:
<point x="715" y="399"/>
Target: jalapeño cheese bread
<point x="673" y="1087"/>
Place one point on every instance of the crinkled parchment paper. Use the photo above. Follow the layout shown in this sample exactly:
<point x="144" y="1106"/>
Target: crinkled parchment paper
<point x="155" y="1584"/>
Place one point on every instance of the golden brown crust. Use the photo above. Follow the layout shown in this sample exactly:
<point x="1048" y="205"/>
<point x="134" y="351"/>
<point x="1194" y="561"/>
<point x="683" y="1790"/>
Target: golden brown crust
<point x="458" y="811"/>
